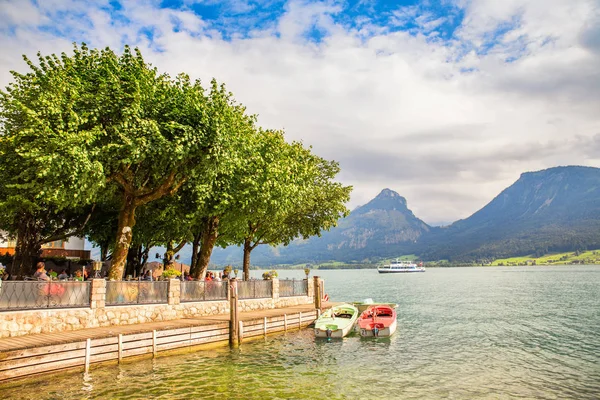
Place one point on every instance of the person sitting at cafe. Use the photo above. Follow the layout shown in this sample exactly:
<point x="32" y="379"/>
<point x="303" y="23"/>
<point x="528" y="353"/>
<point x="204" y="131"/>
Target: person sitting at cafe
<point x="63" y="275"/>
<point x="78" y="276"/>
<point x="40" y="273"/>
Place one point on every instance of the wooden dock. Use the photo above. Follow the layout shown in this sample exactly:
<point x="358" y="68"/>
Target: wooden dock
<point x="24" y="356"/>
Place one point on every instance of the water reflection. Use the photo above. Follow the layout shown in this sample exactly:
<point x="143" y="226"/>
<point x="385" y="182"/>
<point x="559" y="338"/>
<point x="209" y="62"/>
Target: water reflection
<point x="462" y="333"/>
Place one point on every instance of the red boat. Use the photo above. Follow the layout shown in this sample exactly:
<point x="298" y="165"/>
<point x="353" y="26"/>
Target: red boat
<point x="377" y="321"/>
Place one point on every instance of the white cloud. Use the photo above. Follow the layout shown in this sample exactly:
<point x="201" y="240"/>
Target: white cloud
<point x="445" y="124"/>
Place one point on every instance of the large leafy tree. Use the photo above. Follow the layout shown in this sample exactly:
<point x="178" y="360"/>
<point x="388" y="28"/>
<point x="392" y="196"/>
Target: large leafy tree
<point x="48" y="181"/>
<point x="121" y="123"/>
<point x="286" y="192"/>
<point x="219" y="207"/>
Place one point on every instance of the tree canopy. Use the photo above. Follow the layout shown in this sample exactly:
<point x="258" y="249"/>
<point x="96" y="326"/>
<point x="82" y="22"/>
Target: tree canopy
<point x="102" y="138"/>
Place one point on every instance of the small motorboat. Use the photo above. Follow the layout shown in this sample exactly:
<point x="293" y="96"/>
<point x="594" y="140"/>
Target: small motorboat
<point x="336" y="322"/>
<point x="377" y="321"/>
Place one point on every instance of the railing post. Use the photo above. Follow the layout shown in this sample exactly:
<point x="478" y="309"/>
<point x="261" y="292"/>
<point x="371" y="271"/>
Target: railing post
<point x="48" y="293"/>
<point x="97" y="293"/>
<point x="310" y="290"/>
<point x="318" y="294"/>
<point x="275" y="288"/>
<point x="174" y="292"/>
<point x="233" y="312"/>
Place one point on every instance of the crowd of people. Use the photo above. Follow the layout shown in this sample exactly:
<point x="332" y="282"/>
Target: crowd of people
<point x="42" y="275"/>
<point x="83" y="274"/>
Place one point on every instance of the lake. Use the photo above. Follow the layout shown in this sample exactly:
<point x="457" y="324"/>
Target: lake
<point x="463" y="333"/>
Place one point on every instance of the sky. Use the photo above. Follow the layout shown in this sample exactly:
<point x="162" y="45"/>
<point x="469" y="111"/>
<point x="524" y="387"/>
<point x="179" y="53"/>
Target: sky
<point x="446" y="102"/>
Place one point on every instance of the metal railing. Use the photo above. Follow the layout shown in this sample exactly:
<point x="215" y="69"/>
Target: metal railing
<point x="203" y="291"/>
<point x="255" y="289"/>
<point x="293" y="287"/>
<point x="136" y="292"/>
<point x="20" y="295"/>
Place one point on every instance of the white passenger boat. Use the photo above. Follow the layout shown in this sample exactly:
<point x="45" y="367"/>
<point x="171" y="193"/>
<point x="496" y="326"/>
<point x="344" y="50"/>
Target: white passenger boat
<point x="401" y="266"/>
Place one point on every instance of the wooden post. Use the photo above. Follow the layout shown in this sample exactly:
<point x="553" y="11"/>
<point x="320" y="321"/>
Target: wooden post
<point x="318" y="294"/>
<point x="88" y="346"/>
<point x="300" y="320"/>
<point x="241" y="332"/>
<point x="285" y="322"/>
<point x="154" y="343"/>
<point x="120" y="347"/>
<point x="265" y="327"/>
<point x="233" y="312"/>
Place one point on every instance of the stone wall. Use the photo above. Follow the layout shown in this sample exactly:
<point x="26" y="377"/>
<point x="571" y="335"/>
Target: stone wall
<point x="18" y="323"/>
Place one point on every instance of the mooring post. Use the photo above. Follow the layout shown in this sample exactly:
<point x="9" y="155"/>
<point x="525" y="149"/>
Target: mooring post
<point x="241" y="332"/>
<point x="285" y="322"/>
<point x="154" y="349"/>
<point x="233" y="312"/>
<point x="265" y="327"/>
<point x="88" y="345"/>
<point x="300" y="320"/>
<point x="318" y="294"/>
<point x="120" y="347"/>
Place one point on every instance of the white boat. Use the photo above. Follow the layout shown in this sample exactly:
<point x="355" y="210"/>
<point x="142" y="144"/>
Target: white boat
<point x="401" y="266"/>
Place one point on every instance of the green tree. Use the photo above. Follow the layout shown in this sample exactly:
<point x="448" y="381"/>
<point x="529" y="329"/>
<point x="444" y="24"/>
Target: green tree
<point x="287" y="192"/>
<point x="48" y="182"/>
<point x="113" y="120"/>
<point x="219" y="208"/>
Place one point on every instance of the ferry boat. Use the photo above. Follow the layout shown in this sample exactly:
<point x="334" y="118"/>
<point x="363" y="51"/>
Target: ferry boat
<point x="401" y="266"/>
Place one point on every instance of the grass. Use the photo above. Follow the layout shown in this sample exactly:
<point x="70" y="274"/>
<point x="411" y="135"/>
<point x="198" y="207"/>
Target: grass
<point x="584" y="257"/>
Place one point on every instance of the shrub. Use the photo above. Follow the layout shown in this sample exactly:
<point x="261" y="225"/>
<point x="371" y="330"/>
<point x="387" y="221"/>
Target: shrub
<point x="171" y="273"/>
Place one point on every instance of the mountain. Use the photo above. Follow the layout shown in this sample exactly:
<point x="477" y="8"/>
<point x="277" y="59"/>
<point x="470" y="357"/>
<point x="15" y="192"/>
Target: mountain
<point x="384" y="227"/>
<point x="557" y="209"/>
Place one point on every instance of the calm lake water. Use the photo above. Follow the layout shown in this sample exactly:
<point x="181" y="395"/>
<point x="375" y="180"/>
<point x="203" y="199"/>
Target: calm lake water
<point x="463" y="333"/>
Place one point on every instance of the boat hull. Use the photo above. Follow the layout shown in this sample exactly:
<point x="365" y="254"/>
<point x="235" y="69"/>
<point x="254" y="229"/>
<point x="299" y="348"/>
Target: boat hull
<point x="391" y="271"/>
<point x="335" y="333"/>
<point x="336" y="322"/>
<point x="385" y="332"/>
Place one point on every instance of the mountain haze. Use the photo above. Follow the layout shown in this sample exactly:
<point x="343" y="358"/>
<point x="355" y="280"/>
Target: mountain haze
<point x="382" y="227"/>
<point x="557" y="209"/>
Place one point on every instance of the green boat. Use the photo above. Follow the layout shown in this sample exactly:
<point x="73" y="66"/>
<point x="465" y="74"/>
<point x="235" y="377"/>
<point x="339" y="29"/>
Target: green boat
<point x="336" y="322"/>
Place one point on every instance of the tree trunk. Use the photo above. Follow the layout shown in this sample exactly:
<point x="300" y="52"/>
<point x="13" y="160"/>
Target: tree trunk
<point x="194" y="268"/>
<point x="144" y="258"/>
<point x="209" y="238"/>
<point x="169" y="253"/>
<point x="124" y="235"/>
<point x="133" y="260"/>
<point x="247" y="250"/>
<point x="104" y="251"/>
<point x="28" y="248"/>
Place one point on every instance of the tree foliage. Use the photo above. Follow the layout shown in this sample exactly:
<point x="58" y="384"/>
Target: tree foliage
<point x="100" y="131"/>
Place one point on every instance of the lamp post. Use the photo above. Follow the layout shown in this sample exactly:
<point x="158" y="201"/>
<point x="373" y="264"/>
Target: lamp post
<point x="97" y="266"/>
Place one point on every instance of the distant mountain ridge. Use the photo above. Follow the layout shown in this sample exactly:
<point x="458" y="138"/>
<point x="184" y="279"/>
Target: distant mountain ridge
<point x="557" y="209"/>
<point x="381" y="228"/>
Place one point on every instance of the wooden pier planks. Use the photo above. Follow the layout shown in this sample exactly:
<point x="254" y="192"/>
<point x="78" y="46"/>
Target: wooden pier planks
<point x="52" y="352"/>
